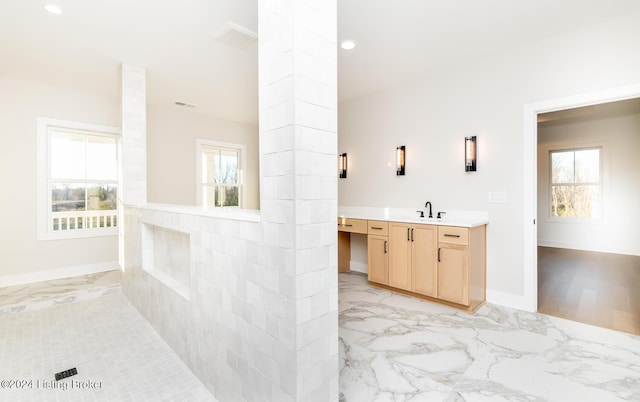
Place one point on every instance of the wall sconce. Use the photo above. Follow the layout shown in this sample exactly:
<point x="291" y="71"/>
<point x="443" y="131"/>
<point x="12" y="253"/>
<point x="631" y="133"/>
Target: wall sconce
<point x="470" y="154"/>
<point x="342" y="165"/>
<point x="400" y="161"/>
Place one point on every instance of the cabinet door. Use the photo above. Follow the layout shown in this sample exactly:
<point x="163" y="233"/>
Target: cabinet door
<point x="400" y="256"/>
<point x="424" y="260"/>
<point x="453" y="273"/>
<point x="378" y="256"/>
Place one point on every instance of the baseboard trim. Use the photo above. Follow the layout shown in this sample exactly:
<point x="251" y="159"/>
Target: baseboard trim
<point x="359" y="267"/>
<point x="59" y="273"/>
<point x="582" y="247"/>
<point x="507" y="300"/>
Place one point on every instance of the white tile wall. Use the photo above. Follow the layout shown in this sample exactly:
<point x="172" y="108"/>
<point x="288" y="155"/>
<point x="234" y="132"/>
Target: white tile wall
<point x="134" y="140"/>
<point x="261" y="322"/>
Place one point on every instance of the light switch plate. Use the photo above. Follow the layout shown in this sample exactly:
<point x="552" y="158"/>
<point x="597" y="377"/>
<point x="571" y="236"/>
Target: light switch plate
<point x="497" y="196"/>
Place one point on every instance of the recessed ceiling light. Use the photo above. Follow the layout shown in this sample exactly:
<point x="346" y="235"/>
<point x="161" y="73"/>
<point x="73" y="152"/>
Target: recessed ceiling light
<point x="53" y="9"/>
<point x="347" y="44"/>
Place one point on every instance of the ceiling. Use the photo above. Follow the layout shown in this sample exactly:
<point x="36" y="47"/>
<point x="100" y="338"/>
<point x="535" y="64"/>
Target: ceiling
<point x="592" y="112"/>
<point x="398" y="41"/>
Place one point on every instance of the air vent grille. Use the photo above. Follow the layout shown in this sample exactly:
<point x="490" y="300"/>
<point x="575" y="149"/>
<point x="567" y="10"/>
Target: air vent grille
<point x="236" y="35"/>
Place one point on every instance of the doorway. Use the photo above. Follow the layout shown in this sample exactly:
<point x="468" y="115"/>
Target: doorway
<point x="588" y="253"/>
<point x="530" y="210"/>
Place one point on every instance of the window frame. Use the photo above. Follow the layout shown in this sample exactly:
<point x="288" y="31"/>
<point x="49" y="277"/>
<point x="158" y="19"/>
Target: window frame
<point x="201" y="144"/>
<point x="601" y="179"/>
<point x="44" y="202"/>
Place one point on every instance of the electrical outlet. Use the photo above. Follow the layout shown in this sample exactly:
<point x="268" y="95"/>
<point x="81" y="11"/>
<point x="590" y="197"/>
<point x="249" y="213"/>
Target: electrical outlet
<point x="498" y="196"/>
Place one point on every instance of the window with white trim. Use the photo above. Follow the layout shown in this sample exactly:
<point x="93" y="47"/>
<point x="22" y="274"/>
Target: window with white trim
<point x="77" y="180"/>
<point x="575" y="183"/>
<point x="220" y="167"/>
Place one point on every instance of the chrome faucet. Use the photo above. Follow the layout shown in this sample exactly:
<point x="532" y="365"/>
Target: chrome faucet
<point x="428" y="204"/>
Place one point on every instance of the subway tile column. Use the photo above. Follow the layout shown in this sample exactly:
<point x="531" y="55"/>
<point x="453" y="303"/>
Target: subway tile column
<point x="298" y="148"/>
<point x="133" y="151"/>
<point x="132" y="148"/>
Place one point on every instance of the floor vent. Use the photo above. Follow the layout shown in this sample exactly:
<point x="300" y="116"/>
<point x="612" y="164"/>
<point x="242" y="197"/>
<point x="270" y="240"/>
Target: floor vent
<point x="67" y="373"/>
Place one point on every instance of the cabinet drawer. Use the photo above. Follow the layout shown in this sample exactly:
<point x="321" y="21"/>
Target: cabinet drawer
<point x="352" y="225"/>
<point x="378" y="228"/>
<point x="453" y="235"/>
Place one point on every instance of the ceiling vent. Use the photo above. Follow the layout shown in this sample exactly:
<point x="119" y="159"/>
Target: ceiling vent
<point x="236" y="35"/>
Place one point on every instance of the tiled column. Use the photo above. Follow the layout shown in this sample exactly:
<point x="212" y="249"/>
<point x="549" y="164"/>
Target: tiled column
<point x="132" y="148"/>
<point x="133" y="152"/>
<point x="298" y="143"/>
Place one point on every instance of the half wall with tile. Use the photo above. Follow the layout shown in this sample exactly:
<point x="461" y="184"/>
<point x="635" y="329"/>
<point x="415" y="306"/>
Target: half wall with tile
<point x="256" y="316"/>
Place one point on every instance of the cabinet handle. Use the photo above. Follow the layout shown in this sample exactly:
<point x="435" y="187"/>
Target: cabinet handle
<point x="339" y="224"/>
<point x="376" y="228"/>
<point x="385" y="247"/>
<point x="412" y="234"/>
<point x="438" y="254"/>
<point x="450" y="235"/>
<point x="408" y="234"/>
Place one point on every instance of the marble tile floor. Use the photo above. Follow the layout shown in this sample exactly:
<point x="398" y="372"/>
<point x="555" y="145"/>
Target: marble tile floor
<point x="36" y="296"/>
<point x="397" y="348"/>
<point x="117" y="353"/>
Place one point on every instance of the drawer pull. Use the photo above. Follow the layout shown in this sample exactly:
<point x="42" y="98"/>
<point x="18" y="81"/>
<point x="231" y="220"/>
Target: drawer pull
<point x="344" y="225"/>
<point x="376" y="228"/>
<point x="450" y="235"/>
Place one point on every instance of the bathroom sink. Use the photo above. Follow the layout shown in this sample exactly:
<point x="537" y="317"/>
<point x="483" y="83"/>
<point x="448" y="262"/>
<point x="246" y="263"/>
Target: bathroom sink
<point x="430" y="220"/>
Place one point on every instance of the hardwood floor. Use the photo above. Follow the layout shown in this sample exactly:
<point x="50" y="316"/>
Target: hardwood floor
<point x="594" y="288"/>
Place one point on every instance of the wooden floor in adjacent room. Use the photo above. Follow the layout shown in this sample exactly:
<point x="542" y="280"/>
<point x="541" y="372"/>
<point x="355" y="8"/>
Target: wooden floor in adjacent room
<point x="594" y="288"/>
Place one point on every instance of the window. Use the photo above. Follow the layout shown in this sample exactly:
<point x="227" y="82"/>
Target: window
<point x="78" y="180"/>
<point x="220" y="167"/>
<point x="576" y="188"/>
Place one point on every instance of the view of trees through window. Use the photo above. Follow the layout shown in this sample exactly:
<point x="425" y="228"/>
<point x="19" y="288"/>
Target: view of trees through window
<point x="221" y="177"/>
<point x="575" y="183"/>
<point x="82" y="179"/>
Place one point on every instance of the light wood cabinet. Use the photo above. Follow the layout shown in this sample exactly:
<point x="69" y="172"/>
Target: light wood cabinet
<point x="441" y="263"/>
<point x="462" y="265"/>
<point x="412" y="258"/>
<point x="378" y="251"/>
<point x="352" y="225"/>
<point x="400" y="255"/>
<point x="378" y="256"/>
<point x="424" y="260"/>
<point x="453" y="273"/>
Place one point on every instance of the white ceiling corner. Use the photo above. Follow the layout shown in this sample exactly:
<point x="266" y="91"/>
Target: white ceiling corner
<point x="397" y="41"/>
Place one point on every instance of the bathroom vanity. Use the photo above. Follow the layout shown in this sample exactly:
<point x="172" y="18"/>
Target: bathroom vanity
<point x="442" y="260"/>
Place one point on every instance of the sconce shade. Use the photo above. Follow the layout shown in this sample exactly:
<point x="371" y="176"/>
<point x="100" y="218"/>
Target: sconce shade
<point x="342" y="165"/>
<point x="400" y="160"/>
<point x="470" y="154"/>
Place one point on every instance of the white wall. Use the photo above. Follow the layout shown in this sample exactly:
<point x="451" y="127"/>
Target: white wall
<point x="618" y="232"/>
<point x="171" y="170"/>
<point x="483" y="98"/>
<point x="171" y="151"/>
<point x="23" y="257"/>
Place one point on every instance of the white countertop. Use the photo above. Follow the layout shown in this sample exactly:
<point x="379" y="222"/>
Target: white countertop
<point x="466" y="219"/>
